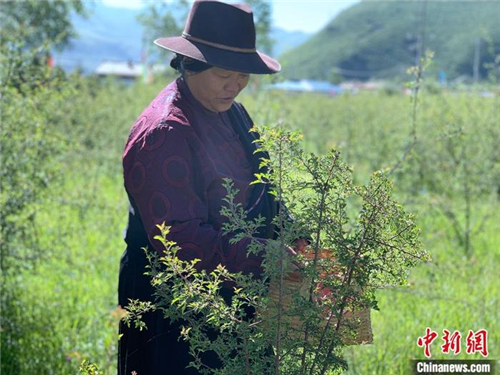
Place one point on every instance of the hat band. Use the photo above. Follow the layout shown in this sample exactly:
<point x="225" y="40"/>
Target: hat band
<point x="217" y="45"/>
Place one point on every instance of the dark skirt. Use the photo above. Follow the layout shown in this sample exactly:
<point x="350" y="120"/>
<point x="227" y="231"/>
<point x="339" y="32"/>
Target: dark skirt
<point x="157" y="350"/>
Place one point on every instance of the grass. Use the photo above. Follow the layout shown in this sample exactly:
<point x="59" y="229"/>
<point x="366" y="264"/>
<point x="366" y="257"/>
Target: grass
<point x="65" y="307"/>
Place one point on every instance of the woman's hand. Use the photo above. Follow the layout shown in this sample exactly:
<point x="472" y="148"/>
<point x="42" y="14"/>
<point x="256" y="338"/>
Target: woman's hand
<point x="300" y="246"/>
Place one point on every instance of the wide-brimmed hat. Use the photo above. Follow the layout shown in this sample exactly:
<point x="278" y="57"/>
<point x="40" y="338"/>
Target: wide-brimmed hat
<point x="221" y="35"/>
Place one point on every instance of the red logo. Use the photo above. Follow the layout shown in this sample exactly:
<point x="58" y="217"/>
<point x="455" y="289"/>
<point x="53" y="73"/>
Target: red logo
<point x="476" y="342"/>
<point x="451" y="342"/>
<point x="427" y="340"/>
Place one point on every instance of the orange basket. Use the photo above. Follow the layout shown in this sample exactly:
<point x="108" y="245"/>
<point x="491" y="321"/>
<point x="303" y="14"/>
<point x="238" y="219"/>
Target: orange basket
<point x="356" y="321"/>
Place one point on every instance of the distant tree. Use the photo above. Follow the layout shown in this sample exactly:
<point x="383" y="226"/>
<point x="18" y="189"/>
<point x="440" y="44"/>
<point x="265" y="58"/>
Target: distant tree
<point x="164" y="19"/>
<point x="262" y="11"/>
<point x="30" y="29"/>
<point x="161" y="19"/>
<point x="40" y="21"/>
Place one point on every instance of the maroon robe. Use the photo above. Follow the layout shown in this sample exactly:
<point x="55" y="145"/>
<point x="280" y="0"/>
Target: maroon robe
<point x="174" y="162"/>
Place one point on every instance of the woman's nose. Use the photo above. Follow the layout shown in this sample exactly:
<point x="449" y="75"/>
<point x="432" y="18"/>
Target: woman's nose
<point x="233" y="86"/>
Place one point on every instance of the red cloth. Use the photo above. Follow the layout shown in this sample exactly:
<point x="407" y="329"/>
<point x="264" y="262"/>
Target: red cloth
<point x="174" y="161"/>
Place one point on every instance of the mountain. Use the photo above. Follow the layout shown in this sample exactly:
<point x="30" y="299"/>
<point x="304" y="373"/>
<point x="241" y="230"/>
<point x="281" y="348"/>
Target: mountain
<point x="379" y="39"/>
<point x="107" y="34"/>
<point x="287" y="40"/>
<point x="114" y="34"/>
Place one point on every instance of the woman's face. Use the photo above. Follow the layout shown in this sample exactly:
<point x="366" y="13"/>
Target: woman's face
<point x="216" y="88"/>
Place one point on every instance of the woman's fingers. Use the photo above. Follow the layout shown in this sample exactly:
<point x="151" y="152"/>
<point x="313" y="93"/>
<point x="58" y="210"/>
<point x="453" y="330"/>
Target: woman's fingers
<point x="300" y="245"/>
<point x="291" y="251"/>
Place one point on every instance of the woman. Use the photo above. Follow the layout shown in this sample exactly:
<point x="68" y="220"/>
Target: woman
<point x="182" y="146"/>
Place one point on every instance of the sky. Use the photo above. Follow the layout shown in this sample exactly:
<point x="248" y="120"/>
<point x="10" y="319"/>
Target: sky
<point x="291" y="15"/>
<point x="308" y="16"/>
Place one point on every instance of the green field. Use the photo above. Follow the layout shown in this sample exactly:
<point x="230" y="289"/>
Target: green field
<point x="60" y="270"/>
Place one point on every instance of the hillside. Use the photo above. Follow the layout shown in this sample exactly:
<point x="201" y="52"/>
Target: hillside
<point x="285" y="41"/>
<point x="379" y="39"/>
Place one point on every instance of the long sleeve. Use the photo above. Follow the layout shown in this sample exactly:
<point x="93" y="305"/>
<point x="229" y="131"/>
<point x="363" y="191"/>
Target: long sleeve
<point x="165" y="180"/>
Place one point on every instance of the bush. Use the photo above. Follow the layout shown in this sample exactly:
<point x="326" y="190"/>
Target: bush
<point x="376" y="248"/>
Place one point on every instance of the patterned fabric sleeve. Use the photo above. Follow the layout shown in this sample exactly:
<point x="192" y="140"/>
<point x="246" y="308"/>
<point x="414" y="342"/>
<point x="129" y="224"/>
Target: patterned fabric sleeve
<point x="160" y="179"/>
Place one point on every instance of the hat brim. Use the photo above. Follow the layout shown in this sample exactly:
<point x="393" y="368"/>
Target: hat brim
<point x="253" y="63"/>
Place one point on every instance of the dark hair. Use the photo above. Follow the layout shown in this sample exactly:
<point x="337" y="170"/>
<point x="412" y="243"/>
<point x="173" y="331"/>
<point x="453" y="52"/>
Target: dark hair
<point x="182" y="63"/>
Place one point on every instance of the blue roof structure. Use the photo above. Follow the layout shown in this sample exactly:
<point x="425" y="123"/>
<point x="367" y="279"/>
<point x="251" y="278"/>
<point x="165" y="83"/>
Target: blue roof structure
<point x="307" y="86"/>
